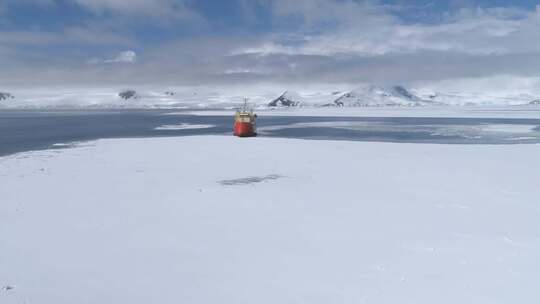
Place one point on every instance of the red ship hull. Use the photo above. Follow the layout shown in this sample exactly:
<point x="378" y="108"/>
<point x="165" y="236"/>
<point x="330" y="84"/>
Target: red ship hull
<point x="244" y="129"/>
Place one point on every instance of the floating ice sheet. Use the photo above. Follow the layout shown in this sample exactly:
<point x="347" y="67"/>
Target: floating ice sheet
<point x="184" y="126"/>
<point x="506" y="128"/>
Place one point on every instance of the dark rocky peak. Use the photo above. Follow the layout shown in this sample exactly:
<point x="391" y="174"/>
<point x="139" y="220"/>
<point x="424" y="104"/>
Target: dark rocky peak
<point x="6" y="96"/>
<point x="128" y="94"/>
<point x="287" y="99"/>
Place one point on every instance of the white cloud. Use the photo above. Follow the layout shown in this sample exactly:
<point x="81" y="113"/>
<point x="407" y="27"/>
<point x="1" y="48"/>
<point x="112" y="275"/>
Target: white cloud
<point x="315" y="13"/>
<point x="125" y="56"/>
<point x="364" y="29"/>
<point x="122" y="57"/>
<point x="315" y="41"/>
<point x="497" y="84"/>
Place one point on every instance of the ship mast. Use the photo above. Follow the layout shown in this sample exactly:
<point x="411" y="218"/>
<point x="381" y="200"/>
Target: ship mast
<point x="245" y="104"/>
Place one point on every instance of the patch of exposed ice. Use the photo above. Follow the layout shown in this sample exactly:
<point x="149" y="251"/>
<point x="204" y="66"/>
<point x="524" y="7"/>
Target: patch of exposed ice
<point x="70" y="145"/>
<point x="523" y="138"/>
<point x="507" y="128"/>
<point x="63" y="145"/>
<point x="348" y="125"/>
<point x="338" y="124"/>
<point x="184" y="126"/>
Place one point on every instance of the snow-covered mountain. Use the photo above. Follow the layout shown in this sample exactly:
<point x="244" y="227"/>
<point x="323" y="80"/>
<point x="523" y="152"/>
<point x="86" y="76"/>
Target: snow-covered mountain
<point x="114" y="98"/>
<point x="476" y="98"/>
<point x="287" y="99"/>
<point x="378" y="96"/>
<point x="260" y="97"/>
<point x="367" y="96"/>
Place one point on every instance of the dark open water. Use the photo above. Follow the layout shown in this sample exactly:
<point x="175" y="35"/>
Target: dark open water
<point x="35" y="130"/>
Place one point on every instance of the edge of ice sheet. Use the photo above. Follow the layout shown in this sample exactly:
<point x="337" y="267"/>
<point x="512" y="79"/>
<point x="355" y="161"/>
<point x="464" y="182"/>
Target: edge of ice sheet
<point x="532" y="112"/>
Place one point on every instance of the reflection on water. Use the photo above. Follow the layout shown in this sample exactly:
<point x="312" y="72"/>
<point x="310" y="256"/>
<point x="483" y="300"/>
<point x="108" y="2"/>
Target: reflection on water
<point x="32" y="130"/>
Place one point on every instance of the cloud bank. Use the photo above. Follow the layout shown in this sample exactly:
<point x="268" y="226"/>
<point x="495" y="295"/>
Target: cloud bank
<point x="300" y="42"/>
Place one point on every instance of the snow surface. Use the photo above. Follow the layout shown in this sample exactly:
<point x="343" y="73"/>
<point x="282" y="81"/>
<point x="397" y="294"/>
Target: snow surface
<point x="217" y="219"/>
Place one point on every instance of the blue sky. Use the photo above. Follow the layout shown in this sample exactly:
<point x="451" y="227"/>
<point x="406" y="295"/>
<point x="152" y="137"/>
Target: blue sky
<point x="222" y="16"/>
<point x="231" y="41"/>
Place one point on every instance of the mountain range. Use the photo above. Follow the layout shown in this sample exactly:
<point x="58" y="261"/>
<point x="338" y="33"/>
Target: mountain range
<point x="365" y="96"/>
<point x="391" y="96"/>
<point x="232" y="97"/>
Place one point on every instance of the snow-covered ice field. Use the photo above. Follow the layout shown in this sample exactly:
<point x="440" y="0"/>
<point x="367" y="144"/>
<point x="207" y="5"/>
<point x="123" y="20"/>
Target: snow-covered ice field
<point x="216" y="219"/>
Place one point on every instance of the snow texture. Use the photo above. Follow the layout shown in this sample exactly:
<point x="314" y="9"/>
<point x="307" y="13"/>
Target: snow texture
<point x="218" y="219"/>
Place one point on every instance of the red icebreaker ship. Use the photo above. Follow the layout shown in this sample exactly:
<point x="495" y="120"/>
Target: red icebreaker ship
<point x="244" y="123"/>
